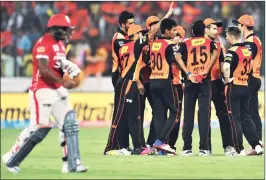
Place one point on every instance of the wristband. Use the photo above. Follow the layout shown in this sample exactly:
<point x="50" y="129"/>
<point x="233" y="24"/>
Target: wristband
<point x="188" y="73"/>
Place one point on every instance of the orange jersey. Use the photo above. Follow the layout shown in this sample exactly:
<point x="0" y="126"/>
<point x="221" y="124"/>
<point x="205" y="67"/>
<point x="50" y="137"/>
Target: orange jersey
<point x="162" y="54"/>
<point x="240" y="58"/>
<point x="196" y="53"/>
<point x="216" y="69"/>
<point x="130" y="55"/>
<point x="118" y="35"/>
<point x="254" y="43"/>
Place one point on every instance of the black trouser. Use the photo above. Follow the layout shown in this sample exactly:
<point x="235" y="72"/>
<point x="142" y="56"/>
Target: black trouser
<point x="254" y="87"/>
<point x="239" y="117"/>
<point x="165" y="97"/>
<point x="151" y="137"/>
<point x="174" y="134"/>
<point x="123" y="140"/>
<point x="202" y="92"/>
<point x="218" y="98"/>
<point x="127" y="114"/>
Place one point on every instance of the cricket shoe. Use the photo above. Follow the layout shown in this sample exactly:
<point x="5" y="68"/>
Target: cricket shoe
<point x="261" y="143"/>
<point x="242" y="153"/>
<point x="5" y="158"/>
<point x="80" y="168"/>
<point x="230" y="151"/>
<point x="143" y="151"/>
<point x="251" y="151"/>
<point x="204" y="152"/>
<point x="120" y="152"/>
<point x="161" y="146"/>
<point x="186" y="153"/>
<point x="259" y="150"/>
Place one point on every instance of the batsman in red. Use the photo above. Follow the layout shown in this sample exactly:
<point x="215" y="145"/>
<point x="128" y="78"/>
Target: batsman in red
<point x="53" y="74"/>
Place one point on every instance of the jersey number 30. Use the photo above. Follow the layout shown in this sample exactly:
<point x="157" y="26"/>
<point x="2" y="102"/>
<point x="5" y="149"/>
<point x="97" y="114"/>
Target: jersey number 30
<point x="156" y="61"/>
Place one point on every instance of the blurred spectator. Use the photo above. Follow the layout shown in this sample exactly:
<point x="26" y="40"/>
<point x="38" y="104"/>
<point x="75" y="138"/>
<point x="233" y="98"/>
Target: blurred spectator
<point x="96" y="22"/>
<point x="24" y="42"/>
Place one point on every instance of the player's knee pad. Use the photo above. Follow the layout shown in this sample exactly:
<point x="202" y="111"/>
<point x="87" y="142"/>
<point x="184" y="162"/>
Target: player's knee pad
<point x="27" y="146"/>
<point x="71" y="130"/>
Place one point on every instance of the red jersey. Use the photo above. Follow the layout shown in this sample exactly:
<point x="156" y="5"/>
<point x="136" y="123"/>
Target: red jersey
<point x="47" y="48"/>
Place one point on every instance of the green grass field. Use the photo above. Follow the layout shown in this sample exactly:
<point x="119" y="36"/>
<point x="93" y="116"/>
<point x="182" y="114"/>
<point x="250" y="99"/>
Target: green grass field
<point x="45" y="161"/>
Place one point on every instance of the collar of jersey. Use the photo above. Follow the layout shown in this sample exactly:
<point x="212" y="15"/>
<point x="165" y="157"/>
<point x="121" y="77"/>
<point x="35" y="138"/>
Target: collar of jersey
<point x="121" y="32"/>
<point x="238" y="44"/>
<point x="253" y="34"/>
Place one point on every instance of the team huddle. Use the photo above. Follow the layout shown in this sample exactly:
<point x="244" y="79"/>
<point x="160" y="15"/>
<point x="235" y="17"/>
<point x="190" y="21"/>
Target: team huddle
<point x="164" y="68"/>
<point x="167" y="69"/>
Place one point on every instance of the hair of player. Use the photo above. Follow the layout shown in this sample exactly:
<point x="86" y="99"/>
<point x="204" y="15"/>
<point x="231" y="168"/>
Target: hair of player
<point x="234" y="31"/>
<point x="124" y="16"/>
<point x="167" y="24"/>
<point x="177" y="34"/>
<point x="209" y="26"/>
<point x="198" y="28"/>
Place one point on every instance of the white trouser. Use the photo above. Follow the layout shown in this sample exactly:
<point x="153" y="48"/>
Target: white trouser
<point x="43" y="103"/>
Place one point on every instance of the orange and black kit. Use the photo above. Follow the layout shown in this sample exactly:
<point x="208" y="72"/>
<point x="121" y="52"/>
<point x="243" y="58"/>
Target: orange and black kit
<point x="218" y="99"/>
<point x="164" y="94"/>
<point x="196" y="54"/>
<point x="254" y="44"/>
<point x="237" y="95"/>
<point x="127" y="112"/>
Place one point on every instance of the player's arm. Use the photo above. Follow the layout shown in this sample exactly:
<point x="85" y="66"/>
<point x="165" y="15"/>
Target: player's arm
<point x="46" y="73"/>
<point x="49" y="76"/>
<point x="221" y="58"/>
<point x="214" y="56"/>
<point x="155" y="30"/>
<point x="180" y="58"/>
<point x="229" y="58"/>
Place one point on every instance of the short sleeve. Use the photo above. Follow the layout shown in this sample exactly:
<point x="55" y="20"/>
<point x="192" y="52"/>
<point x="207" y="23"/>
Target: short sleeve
<point x="42" y="51"/>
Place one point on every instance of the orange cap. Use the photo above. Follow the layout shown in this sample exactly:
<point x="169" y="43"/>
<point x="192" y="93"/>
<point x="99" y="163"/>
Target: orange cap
<point x="246" y="20"/>
<point x="134" y="28"/>
<point x="150" y="20"/>
<point x="181" y="31"/>
<point x="209" y="21"/>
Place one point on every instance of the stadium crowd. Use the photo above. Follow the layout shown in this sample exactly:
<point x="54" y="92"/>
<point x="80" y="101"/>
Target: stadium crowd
<point x="22" y="23"/>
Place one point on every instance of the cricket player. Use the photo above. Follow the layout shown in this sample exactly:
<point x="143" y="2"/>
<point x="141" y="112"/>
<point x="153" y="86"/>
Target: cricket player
<point x="246" y="24"/>
<point x="178" y="84"/>
<point x="146" y="72"/>
<point x="129" y="88"/>
<point x="217" y="91"/>
<point x="49" y="96"/>
<point x="126" y="19"/>
<point x="199" y="54"/>
<point x="236" y="69"/>
<point x="164" y="95"/>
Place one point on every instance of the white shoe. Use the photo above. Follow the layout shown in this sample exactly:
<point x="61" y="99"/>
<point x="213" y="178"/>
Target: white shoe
<point x="5" y="159"/>
<point x="204" y="153"/>
<point x="230" y="151"/>
<point x="261" y="143"/>
<point x="186" y="153"/>
<point x="65" y="167"/>
<point x="259" y="150"/>
<point x="242" y="153"/>
<point x="79" y="168"/>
